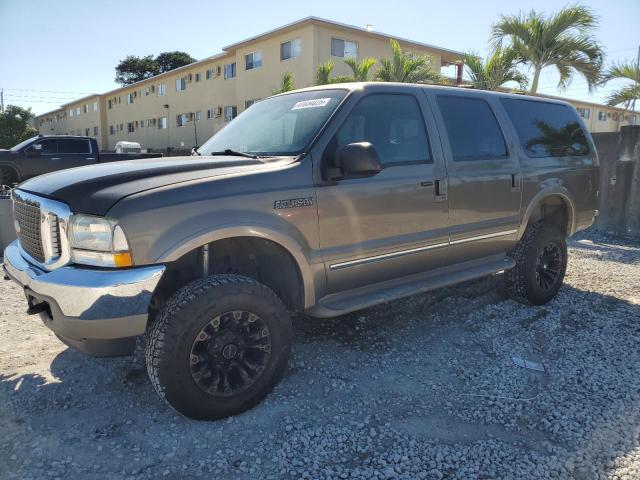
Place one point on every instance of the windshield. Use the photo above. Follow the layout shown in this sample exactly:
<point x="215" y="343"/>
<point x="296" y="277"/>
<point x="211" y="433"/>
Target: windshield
<point x="282" y="125"/>
<point x="23" y="144"/>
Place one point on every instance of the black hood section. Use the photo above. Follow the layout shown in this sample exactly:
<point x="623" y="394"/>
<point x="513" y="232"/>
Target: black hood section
<point x="95" y="189"/>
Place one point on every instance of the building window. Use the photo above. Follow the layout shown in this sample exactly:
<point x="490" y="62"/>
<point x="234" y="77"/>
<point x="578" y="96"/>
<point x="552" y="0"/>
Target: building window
<point x="343" y="48"/>
<point x="141" y="123"/>
<point x="130" y="127"/>
<point x="198" y="116"/>
<point x="602" y="116"/>
<point x="71" y="112"/>
<point x="95" y="106"/>
<point x="129" y="98"/>
<point x="248" y="103"/>
<point x="109" y="104"/>
<point x="253" y="60"/>
<point x="198" y="77"/>
<point x="86" y="132"/>
<point x="230" y="113"/>
<point x="162" y="122"/>
<point x="85" y="108"/>
<point x="583" y="112"/>
<point x="77" y="111"/>
<point x="290" y="49"/>
<point x="213" y="72"/>
<point x="181" y="84"/>
<point x="182" y="119"/>
<point x="230" y="70"/>
<point x="112" y="130"/>
<point x="95" y="131"/>
<point x="209" y="114"/>
<point x="161" y="90"/>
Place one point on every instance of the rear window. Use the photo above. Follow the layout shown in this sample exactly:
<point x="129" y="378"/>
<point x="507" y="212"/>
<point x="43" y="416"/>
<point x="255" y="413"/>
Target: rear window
<point x="71" y="145"/>
<point x="546" y="129"/>
<point x="472" y="128"/>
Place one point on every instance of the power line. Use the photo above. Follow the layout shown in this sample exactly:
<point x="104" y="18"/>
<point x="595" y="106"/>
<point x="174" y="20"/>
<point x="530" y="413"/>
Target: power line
<point x="48" y="91"/>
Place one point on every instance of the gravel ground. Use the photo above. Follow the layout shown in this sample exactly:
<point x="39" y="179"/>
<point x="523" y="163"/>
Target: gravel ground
<point x="418" y="388"/>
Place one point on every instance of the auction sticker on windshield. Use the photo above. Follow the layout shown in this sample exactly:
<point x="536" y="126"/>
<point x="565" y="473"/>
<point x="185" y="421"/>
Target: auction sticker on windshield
<point x="316" y="102"/>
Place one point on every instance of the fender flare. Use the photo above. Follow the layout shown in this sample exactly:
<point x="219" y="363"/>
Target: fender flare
<point x="287" y="243"/>
<point x="12" y="167"/>
<point x="556" y="190"/>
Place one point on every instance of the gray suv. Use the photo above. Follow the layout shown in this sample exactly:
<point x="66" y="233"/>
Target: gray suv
<point x="324" y="200"/>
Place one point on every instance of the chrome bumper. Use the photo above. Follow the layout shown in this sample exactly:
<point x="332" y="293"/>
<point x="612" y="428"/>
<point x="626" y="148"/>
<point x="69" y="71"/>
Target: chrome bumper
<point x="85" y="304"/>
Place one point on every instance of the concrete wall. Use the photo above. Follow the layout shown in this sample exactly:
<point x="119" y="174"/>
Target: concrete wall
<point x="619" y="206"/>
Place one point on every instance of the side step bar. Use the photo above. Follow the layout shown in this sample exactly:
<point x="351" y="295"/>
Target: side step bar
<point x="345" y="302"/>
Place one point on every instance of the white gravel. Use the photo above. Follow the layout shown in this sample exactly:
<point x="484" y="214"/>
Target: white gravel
<point x="419" y="388"/>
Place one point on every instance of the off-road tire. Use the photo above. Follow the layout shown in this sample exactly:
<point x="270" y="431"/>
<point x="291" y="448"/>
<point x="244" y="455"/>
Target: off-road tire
<point x="520" y="282"/>
<point x="185" y="314"/>
<point x="8" y="177"/>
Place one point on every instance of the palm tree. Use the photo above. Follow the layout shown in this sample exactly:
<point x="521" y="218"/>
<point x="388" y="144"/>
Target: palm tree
<point x="323" y="73"/>
<point x="286" y="83"/>
<point x="360" y="68"/>
<point x="626" y="95"/>
<point x="406" y="67"/>
<point x="563" y="40"/>
<point x="495" y="71"/>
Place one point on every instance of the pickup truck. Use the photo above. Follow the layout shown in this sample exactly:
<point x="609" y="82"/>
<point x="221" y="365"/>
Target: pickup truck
<point x="44" y="154"/>
<point x="324" y="200"/>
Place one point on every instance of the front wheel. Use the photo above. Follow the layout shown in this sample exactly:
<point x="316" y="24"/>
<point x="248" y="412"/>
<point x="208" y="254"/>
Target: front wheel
<point x="541" y="262"/>
<point x="219" y="346"/>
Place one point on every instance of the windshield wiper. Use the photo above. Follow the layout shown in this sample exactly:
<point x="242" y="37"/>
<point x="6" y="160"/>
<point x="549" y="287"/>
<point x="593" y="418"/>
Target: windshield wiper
<point x="234" y="153"/>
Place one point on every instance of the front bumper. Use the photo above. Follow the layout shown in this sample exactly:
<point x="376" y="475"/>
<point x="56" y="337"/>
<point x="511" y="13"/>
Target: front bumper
<point x="99" y="312"/>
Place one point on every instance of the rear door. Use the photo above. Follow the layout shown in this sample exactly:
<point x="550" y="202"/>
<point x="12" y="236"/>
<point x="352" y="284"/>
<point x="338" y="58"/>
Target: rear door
<point x="392" y="224"/>
<point x="484" y="187"/>
<point x="74" y="152"/>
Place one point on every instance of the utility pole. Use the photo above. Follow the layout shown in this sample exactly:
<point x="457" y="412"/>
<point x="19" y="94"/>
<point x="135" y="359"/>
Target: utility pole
<point x="1" y="100"/>
<point x="635" y="90"/>
<point x="195" y="128"/>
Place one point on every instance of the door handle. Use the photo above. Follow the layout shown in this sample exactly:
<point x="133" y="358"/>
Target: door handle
<point x="55" y="158"/>
<point x="440" y="190"/>
<point x="516" y="182"/>
<point x="90" y="158"/>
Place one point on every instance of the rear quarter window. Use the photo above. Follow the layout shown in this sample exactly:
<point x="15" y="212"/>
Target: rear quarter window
<point x="546" y="129"/>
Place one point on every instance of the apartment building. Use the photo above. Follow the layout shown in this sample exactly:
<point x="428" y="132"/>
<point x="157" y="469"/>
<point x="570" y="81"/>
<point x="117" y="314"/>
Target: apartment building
<point x="184" y="107"/>
<point x="173" y="108"/>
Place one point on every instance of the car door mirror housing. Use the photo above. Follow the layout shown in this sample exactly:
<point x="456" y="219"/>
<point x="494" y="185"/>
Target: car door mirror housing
<point x="34" y="150"/>
<point x="358" y="160"/>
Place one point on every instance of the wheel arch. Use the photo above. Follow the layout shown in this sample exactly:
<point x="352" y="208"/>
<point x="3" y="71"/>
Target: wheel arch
<point x="11" y="168"/>
<point x="554" y="195"/>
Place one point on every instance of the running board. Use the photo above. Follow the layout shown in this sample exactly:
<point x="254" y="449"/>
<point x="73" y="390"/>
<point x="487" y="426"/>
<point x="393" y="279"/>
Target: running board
<point x="370" y="295"/>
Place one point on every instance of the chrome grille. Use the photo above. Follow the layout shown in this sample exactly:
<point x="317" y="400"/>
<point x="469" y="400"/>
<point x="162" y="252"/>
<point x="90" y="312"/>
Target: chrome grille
<point x="42" y="226"/>
<point x="27" y="215"/>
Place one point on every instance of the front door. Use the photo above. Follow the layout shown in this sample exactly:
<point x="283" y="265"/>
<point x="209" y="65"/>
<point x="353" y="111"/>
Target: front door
<point x="484" y="176"/>
<point x="391" y="224"/>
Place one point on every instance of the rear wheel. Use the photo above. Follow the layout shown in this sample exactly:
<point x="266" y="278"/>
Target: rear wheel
<point x="541" y="263"/>
<point x="219" y="346"/>
<point x="8" y="176"/>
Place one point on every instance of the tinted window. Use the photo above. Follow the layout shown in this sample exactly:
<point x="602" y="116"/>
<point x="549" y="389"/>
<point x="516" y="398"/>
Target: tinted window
<point x="472" y="128"/>
<point x="71" y="145"/>
<point x="49" y="147"/>
<point x="546" y="129"/>
<point x="391" y="123"/>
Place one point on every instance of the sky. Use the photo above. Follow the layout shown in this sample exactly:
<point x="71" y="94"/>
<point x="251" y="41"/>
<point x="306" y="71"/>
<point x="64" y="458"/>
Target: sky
<point x="54" y="51"/>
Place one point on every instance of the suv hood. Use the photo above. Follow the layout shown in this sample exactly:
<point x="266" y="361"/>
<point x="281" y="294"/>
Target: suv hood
<point x="96" y="188"/>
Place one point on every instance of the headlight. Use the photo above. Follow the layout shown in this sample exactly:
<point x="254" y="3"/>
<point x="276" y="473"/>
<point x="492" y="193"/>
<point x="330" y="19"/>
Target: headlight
<point x="98" y="241"/>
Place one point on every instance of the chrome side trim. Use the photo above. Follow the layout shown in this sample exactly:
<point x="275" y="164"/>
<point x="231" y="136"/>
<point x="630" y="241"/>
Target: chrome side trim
<point x="362" y="261"/>
<point x="482" y="237"/>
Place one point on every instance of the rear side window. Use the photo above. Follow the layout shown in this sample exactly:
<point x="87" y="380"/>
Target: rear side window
<point x="71" y="145"/>
<point x="546" y="129"/>
<point x="393" y="124"/>
<point x="472" y="128"/>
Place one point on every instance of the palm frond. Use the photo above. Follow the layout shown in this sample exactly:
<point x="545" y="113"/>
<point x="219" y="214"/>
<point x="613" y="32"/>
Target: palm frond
<point x="406" y="67"/>
<point x="623" y="96"/>
<point x="323" y="73"/>
<point x="360" y="68"/>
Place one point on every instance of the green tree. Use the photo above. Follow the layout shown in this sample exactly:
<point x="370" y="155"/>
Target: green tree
<point x="323" y="73"/>
<point x="499" y="68"/>
<point x="168" y="61"/>
<point x="133" y="69"/>
<point x="627" y="94"/>
<point x="287" y="83"/>
<point x="564" y="40"/>
<point x="406" y="67"/>
<point x="15" y="126"/>
<point x="360" y="68"/>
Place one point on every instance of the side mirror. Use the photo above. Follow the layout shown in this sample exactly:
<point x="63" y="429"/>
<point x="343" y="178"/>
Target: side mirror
<point x="34" y="150"/>
<point x="359" y="160"/>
